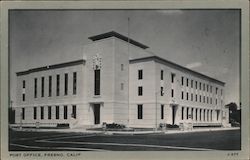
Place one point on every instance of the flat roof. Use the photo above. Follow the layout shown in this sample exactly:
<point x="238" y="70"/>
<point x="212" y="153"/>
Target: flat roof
<point x="117" y="35"/>
<point x="49" y="67"/>
<point x="164" y="61"/>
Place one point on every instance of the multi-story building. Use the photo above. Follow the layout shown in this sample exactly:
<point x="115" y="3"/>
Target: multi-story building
<point x="117" y="80"/>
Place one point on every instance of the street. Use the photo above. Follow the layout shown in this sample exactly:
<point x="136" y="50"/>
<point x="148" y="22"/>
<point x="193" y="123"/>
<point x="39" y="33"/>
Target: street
<point x="53" y="141"/>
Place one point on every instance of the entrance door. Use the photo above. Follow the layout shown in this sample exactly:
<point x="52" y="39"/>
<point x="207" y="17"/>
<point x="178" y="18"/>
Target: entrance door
<point x="96" y="113"/>
<point x="173" y="114"/>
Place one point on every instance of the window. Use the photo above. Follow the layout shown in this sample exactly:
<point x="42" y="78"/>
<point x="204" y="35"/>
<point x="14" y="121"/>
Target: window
<point x="23" y="113"/>
<point x="65" y="84"/>
<point x="204" y="99"/>
<point x="216" y="90"/>
<point x="42" y="87"/>
<point x="204" y="86"/>
<point x="200" y="85"/>
<point x="65" y="112"/>
<point x="42" y="112"/>
<point x="207" y="100"/>
<point x="140" y="74"/>
<point x="192" y="83"/>
<point x="211" y="115"/>
<point x="97" y="82"/>
<point x="50" y="85"/>
<point x="74" y="111"/>
<point x="162" y="91"/>
<point x="216" y="101"/>
<point x="196" y="98"/>
<point x="200" y="98"/>
<point x="122" y="67"/>
<point x="182" y="95"/>
<point x="182" y="81"/>
<point x="139" y="111"/>
<point x="211" y="101"/>
<point x="49" y="112"/>
<point x="211" y="89"/>
<point x="182" y="113"/>
<point x="191" y="96"/>
<point x="34" y="112"/>
<point x="187" y="113"/>
<point x="57" y="112"/>
<point x="200" y="114"/>
<point x="172" y="77"/>
<point x="23" y="96"/>
<point x="192" y="113"/>
<point x="162" y="111"/>
<point x="187" y="82"/>
<point x="221" y="92"/>
<point x="196" y="112"/>
<point x="207" y="88"/>
<point x="24" y="84"/>
<point x="140" y="91"/>
<point x="122" y="86"/>
<point x="162" y="74"/>
<point x="187" y="96"/>
<point x="195" y="84"/>
<point x="172" y="92"/>
<point x="204" y="115"/>
<point x="57" y="85"/>
<point x="35" y="87"/>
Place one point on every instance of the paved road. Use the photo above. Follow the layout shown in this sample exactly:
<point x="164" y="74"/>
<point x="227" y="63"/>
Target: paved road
<point x="48" y="141"/>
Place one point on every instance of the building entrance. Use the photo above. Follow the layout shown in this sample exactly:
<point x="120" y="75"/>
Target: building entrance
<point x="96" y="113"/>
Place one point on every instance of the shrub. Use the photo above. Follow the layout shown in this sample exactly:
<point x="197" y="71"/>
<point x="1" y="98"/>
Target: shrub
<point x="62" y="125"/>
<point x="115" y="126"/>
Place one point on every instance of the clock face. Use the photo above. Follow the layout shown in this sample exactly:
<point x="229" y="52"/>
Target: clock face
<point x="97" y="62"/>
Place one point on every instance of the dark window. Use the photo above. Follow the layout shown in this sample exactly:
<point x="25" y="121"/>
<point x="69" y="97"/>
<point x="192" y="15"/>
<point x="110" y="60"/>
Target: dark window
<point x="187" y="113"/>
<point x="23" y="97"/>
<point x="162" y="91"/>
<point x="191" y="96"/>
<point x="200" y="98"/>
<point x="187" y="82"/>
<point x="122" y="86"/>
<point x="74" y="111"/>
<point x="207" y="115"/>
<point x="211" y="89"/>
<point x="204" y="86"/>
<point x="23" y="113"/>
<point x="182" y="81"/>
<point x="65" y="84"/>
<point x="23" y="83"/>
<point x="122" y="67"/>
<point x="140" y="91"/>
<point x="196" y="112"/>
<point x="57" y="85"/>
<point x="162" y="74"/>
<point x="172" y="77"/>
<point x="216" y="101"/>
<point x="182" y="113"/>
<point x="57" y="112"/>
<point x="192" y="112"/>
<point x="50" y="85"/>
<point x="211" y="101"/>
<point x="35" y="87"/>
<point x="207" y="100"/>
<point x="42" y="87"/>
<point x="221" y="92"/>
<point x="42" y="112"/>
<point x="172" y="92"/>
<point x="200" y="114"/>
<point x="162" y="111"/>
<point x="182" y="95"/>
<point x="192" y="83"/>
<point x="195" y="84"/>
<point x="187" y="96"/>
<point x="211" y="115"/>
<point x="49" y="112"/>
<point x="140" y="74"/>
<point x="65" y="112"/>
<point x="204" y="115"/>
<point x="216" y="90"/>
<point x="196" y="98"/>
<point x="204" y="99"/>
<point x="34" y="112"/>
<point x="140" y="111"/>
<point x="97" y="81"/>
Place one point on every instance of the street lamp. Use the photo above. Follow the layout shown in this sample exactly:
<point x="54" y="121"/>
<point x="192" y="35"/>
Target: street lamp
<point x="162" y="93"/>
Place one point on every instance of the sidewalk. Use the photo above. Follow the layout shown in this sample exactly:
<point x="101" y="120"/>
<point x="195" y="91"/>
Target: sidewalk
<point x="125" y="132"/>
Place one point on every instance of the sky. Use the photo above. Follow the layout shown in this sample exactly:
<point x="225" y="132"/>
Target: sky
<point x="206" y="41"/>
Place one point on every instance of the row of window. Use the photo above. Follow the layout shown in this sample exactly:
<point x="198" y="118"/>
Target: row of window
<point x="49" y="112"/>
<point x="140" y="75"/>
<point x="50" y="85"/>
<point x="200" y="114"/>
<point x="205" y="99"/>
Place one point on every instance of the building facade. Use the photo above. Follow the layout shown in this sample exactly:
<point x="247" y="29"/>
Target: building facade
<point x="117" y="80"/>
